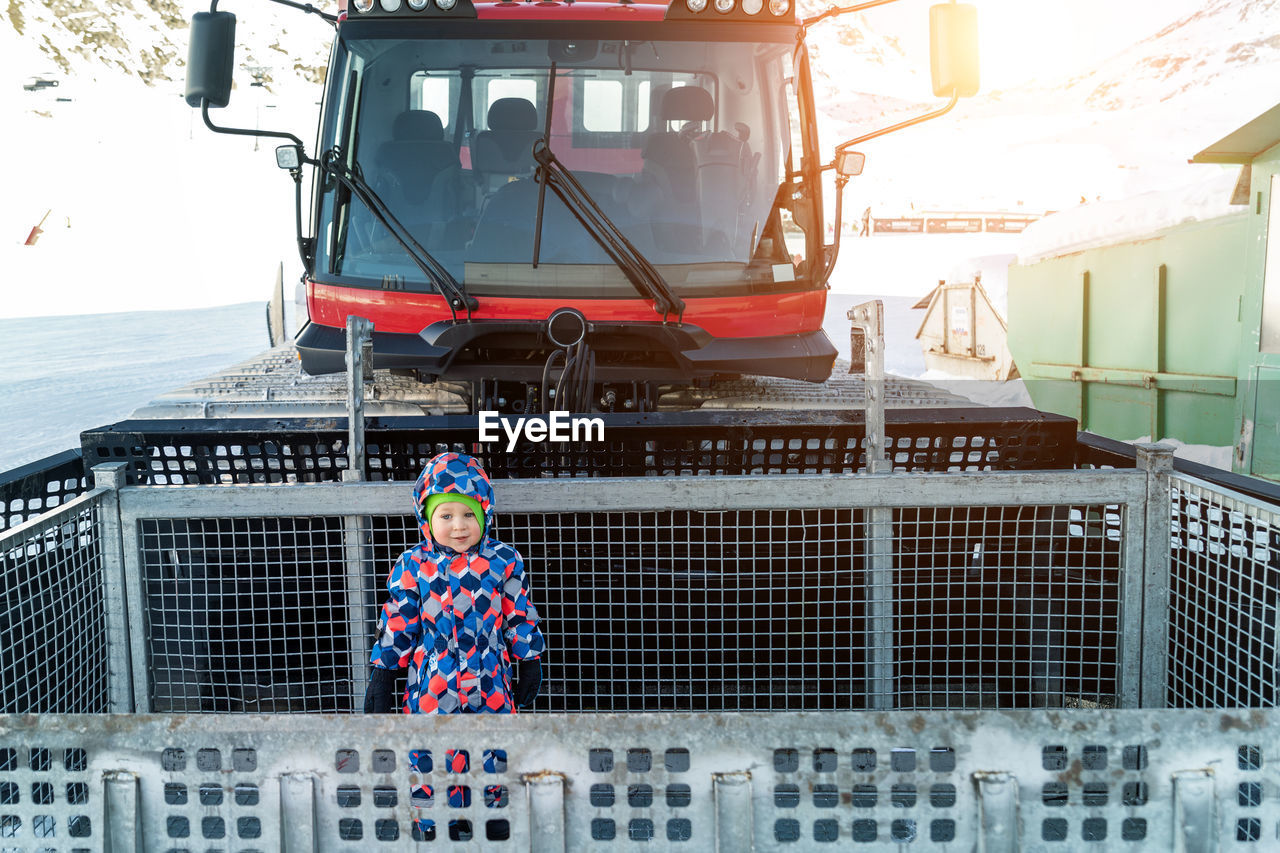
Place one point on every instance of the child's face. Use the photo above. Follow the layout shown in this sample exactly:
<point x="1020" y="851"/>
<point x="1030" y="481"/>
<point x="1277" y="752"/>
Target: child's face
<point x="455" y="526"/>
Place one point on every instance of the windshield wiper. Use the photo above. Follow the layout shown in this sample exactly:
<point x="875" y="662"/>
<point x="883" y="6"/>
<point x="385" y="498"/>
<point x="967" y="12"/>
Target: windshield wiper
<point x="644" y="277"/>
<point x="353" y="181"/>
<point x="635" y="266"/>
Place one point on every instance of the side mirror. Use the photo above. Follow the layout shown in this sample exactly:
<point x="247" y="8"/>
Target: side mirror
<point x="849" y="163"/>
<point x="953" y="49"/>
<point x="210" y="57"/>
<point x="289" y="156"/>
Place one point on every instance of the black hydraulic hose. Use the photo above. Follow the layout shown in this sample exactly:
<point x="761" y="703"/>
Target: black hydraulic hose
<point x="544" y="389"/>
<point x="588" y="380"/>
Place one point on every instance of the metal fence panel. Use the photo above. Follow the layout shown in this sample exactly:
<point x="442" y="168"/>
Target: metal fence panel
<point x="1224" y="598"/>
<point x="1034" y="780"/>
<point x="752" y="598"/>
<point x="53" y="624"/>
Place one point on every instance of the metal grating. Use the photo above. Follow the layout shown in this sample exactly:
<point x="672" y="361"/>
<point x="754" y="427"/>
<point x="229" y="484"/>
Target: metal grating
<point x="249" y="615"/>
<point x="675" y="610"/>
<point x="52" y="614"/>
<point x="29" y="490"/>
<point x="1007" y="606"/>
<point x="192" y="452"/>
<point x="1224" y="598"/>
<point x="1035" y="780"/>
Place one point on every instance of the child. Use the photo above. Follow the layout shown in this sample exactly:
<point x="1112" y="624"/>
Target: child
<point x="458" y="611"/>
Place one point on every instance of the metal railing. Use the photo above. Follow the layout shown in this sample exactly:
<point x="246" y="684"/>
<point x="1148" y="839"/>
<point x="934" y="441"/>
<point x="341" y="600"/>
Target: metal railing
<point x="53" y="611"/>
<point x="938" y="601"/>
<point x="1224" y="598"/>
<point x="761" y="594"/>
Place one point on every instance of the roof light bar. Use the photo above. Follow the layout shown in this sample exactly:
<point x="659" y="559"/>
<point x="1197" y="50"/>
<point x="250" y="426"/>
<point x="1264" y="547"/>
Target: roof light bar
<point x="780" y="11"/>
<point x="410" y="9"/>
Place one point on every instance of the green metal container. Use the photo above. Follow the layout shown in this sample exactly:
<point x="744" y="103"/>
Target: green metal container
<point x="1137" y="338"/>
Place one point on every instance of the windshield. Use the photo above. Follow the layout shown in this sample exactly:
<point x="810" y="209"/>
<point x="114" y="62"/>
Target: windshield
<point x="683" y="144"/>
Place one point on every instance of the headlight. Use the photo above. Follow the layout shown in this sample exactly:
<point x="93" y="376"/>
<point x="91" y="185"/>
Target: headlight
<point x="779" y="7"/>
<point x="446" y="5"/>
<point x="724" y="6"/>
<point x="417" y="5"/>
<point x="695" y="5"/>
<point x="390" y="5"/>
<point x="752" y="7"/>
<point x="364" y="5"/>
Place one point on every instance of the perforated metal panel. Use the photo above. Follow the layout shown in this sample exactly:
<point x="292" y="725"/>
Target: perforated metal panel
<point x="677" y="444"/>
<point x="1033" y="780"/>
<point x="30" y="490"/>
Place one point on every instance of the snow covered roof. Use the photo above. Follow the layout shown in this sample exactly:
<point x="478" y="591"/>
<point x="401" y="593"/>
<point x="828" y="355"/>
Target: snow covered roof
<point x="1245" y="144"/>
<point x="1107" y="223"/>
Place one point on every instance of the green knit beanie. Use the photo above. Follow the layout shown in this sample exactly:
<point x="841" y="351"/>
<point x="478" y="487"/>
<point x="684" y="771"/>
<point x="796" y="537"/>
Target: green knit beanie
<point x="435" y="500"/>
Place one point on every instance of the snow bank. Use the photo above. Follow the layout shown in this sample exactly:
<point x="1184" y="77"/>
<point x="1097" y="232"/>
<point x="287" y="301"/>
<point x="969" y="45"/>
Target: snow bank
<point x="1107" y="223"/>
<point x="1205" y="454"/>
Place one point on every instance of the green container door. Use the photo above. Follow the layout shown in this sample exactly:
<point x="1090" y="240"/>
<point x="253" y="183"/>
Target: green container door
<point x="1138" y="338"/>
<point x="1258" y="443"/>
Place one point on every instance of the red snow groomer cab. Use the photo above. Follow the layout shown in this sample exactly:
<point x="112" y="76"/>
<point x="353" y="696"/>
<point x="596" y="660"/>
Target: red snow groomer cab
<point x="511" y="191"/>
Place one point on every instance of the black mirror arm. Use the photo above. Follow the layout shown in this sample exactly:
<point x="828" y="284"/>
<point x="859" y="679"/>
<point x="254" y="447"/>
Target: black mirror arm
<point x="304" y="7"/>
<point x="831" y="12"/>
<point x="240" y="131"/>
<point x="943" y="110"/>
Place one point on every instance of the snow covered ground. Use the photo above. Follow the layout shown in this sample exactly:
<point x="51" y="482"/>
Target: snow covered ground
<point x="142" y="208"/>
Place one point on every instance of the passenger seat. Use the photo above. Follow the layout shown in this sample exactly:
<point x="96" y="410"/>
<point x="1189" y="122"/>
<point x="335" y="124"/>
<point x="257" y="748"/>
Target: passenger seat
<point x="416" y="153"/>
<point x="505" y="150"/>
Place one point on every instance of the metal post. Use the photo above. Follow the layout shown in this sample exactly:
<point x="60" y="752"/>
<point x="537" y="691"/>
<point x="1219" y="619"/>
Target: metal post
<point x="359" y="371"/>
<point x="111" y="476"/>
<point x="1157" y="461"/>
<point x="880" y="599"/>
<point x="135" y="605"/>
<point x="298" y="813"/>
<point x="734" y="824"/>
<point x="1157" y="415"/>
<point x="546" y="812"/>
<point x="1195" y="822"/>
<point x="121" y="818"/>
<point x="868" y="320"/>
<point x="997" y="812"/>
<point x="358" y="565"/>
<point x="1082" y="385"/>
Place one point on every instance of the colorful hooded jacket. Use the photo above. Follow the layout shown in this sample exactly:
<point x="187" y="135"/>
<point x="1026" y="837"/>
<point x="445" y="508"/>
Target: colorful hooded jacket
<point x="457" y="620"/>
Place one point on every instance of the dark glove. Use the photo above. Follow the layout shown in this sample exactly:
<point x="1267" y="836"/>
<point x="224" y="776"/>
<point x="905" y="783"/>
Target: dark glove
<point x="528" y="680"/>
<point x="380" y="697"/>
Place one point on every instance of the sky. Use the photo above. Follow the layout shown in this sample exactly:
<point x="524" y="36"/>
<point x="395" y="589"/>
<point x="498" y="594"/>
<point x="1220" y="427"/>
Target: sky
<point x="1025" y="40"/>
<point x="142" y="207"/>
